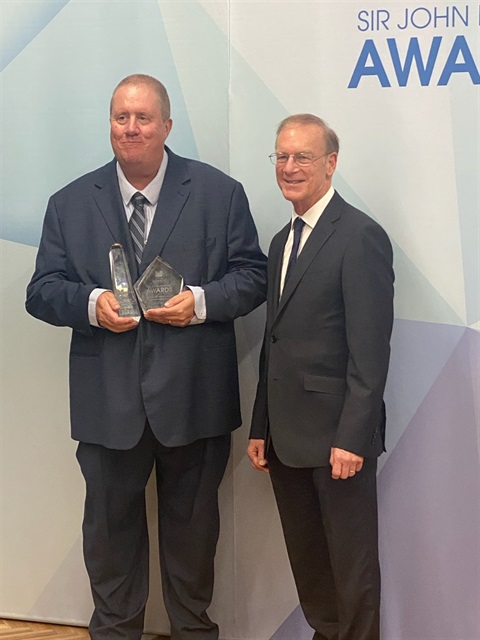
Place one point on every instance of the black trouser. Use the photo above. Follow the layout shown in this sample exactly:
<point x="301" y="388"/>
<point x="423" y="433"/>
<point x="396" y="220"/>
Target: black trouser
<point x="116" y="537"/>
<point x="330" y="529"/>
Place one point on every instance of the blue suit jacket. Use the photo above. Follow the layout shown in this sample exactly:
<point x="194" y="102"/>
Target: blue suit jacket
<point x="327" y="343"/>
<point x="183" y="380"/>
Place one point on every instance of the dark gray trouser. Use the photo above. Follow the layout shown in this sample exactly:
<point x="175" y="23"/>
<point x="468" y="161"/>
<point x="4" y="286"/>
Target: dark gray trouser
<point x="331" y="532"/>
<point x="116" y="537"/>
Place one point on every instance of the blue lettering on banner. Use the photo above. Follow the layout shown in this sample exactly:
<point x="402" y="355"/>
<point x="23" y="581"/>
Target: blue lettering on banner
<point x="374" y="20"/>
<point x="460" y="46"/>
<point x="369" y="51"/>
<point x="423" y="17"/>
<point x="413" y="53"/>
<point x="374" y="60"/>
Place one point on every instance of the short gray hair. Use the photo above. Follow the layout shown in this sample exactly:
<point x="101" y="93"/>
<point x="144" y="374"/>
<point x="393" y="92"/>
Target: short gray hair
<point x="331" y="139"/>
<point x="152" y="83"/>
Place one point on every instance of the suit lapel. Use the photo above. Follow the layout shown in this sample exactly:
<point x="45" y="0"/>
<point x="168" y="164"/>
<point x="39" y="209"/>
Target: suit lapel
<point x="173" y="196"/>
<point x="106" y="194"/>
<point x="276" y="259"/>
<point x="322" y="231"/>
<point x="109" y="201"/>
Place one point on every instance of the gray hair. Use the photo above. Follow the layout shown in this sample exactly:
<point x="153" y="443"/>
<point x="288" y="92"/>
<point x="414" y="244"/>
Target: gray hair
<point x="152" y="83"/>
<point x="331" y="139"/>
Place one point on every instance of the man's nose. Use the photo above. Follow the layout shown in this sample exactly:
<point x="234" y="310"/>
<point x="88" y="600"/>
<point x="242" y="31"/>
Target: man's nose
<point x="132" y="125"/>
<point x="290" y="165"/>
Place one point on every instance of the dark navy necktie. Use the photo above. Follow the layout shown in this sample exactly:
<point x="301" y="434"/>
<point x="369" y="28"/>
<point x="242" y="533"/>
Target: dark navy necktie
<point x="137" y="225"/>
<point x="298" y="225"/>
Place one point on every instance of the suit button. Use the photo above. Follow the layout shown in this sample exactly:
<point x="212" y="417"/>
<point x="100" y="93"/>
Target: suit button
<point x="273" y="339"/>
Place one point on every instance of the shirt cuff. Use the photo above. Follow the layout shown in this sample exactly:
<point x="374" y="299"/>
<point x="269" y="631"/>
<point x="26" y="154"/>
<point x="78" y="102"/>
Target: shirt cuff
<point x="200" y="307"/>
<point x="92" y="306"/>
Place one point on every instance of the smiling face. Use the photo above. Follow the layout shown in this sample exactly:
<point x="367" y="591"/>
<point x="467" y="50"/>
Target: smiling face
<point x="304" y="186"/>
<point x="138" y="132"/>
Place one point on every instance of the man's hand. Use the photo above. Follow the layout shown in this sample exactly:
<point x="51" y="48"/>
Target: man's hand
<point x="256" y="453"/>
<point x="107" y="314"/>
<point x="178" y="311"/>
<point x="344" y="463"/>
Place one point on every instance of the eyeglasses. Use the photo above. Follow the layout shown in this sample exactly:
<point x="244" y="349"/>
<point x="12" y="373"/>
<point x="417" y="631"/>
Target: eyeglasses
<point x="302" y="159"/>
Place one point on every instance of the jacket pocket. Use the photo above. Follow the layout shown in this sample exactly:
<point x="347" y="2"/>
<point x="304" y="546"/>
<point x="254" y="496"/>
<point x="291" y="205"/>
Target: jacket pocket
<point x="324" y="384"/>
<point x="88" y="346"/>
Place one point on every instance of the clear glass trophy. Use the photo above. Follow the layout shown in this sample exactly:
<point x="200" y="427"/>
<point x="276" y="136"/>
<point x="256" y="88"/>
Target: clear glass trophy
<point x="158" y="283"/>
<point x="122" y="283"/>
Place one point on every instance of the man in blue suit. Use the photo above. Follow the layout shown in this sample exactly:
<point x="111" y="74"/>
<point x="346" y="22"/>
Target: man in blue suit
<point x="161" y="392"/>
<point x="318" y="423"/>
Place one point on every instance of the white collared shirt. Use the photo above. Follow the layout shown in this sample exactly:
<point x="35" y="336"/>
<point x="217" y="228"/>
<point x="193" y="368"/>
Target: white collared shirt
<point x="310" y="218"/>
<point x="151" y="193"/>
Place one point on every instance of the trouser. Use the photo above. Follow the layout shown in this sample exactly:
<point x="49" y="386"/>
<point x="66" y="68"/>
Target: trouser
<point x="116" y="538"/>
<point x="331" y="532"/>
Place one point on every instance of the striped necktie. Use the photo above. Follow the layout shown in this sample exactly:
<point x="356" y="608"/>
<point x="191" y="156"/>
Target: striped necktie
<point x="137" y="225"/>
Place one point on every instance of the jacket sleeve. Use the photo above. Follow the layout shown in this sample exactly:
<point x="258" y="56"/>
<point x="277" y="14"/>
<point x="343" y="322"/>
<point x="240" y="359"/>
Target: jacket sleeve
<point x="53" y="294"/>
<point x="259" y="424"/>
<point x="243" y="287"/>
<point x="367" y="287"/>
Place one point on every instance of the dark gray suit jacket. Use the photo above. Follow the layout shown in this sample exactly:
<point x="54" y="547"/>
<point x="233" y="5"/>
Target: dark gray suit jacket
<point x="326" y="349"/>
<point x="184" y="380"/>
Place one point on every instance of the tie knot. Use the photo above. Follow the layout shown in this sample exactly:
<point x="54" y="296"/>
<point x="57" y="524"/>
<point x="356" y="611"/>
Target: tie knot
<point x="138" y="199"/>
<point x="298" y="225"/>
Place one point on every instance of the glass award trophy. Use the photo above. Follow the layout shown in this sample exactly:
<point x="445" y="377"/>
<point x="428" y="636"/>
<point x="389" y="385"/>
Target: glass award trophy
<point x="122" y="283"/>
<point x="158" y="283"/>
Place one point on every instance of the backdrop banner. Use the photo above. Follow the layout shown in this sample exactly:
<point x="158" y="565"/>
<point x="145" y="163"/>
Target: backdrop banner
<point x="399" y="82"/>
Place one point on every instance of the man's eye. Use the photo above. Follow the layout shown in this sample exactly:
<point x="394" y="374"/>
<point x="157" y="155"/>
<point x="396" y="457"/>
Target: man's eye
<point x="121" y="119"/>
<point x="303" y="160"/>
<point x="282" y="157"/>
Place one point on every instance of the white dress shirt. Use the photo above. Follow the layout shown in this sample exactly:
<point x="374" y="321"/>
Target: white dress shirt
<point x="310" y="218"/>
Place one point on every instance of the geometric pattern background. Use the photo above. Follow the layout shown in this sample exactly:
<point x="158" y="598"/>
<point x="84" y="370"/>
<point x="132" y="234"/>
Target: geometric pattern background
<point x="430" y="527"/>
<point x="410" y="157"/>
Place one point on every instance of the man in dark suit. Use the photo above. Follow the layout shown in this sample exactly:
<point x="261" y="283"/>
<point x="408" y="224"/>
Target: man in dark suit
<point x="319" y="419"/>
<point x="160" y="391"/>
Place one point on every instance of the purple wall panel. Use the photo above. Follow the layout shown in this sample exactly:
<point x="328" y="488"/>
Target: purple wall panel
<point x="429" y="526"/>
